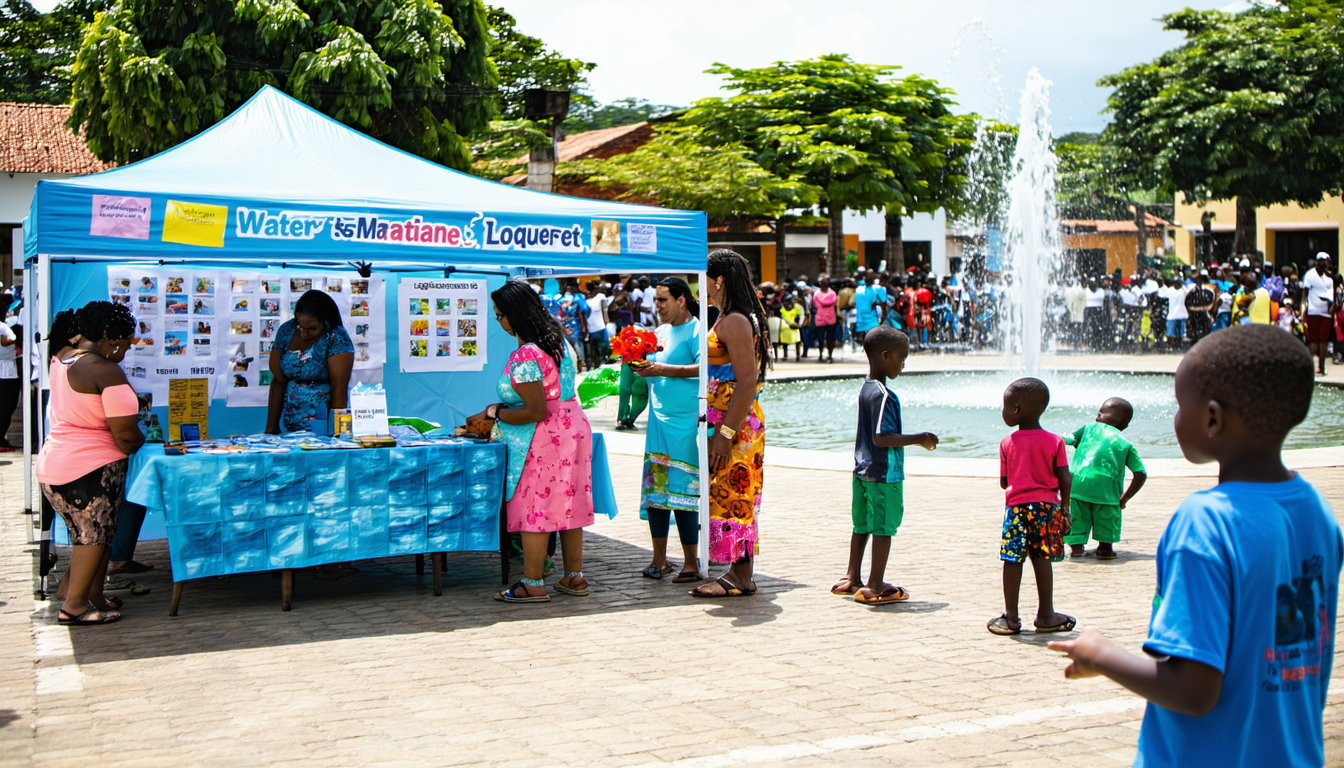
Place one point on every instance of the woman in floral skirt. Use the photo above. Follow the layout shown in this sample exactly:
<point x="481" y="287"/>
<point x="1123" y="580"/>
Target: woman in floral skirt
<point x="739" y="354"/>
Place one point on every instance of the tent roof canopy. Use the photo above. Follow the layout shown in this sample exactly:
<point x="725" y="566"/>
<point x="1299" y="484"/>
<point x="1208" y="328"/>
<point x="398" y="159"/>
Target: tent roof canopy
<point x="277" y="180"/>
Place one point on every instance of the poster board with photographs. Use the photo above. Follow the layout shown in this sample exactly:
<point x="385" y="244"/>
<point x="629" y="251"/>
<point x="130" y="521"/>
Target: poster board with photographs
<point x="442" y="324"/>
<point x="221" y="325"/>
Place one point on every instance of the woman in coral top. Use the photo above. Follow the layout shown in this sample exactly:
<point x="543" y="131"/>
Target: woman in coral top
<point x="82" y="464"/>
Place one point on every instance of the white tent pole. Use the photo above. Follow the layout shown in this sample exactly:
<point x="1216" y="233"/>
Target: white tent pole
<point x="703" y="440"/>
<point x="26" y="371"/>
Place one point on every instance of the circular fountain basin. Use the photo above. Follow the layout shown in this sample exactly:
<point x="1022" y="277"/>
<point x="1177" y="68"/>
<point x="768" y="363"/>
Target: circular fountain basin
<point x="964" y="409"/>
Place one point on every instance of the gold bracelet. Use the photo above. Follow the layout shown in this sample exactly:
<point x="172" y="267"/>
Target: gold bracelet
<point x="726" y="432"/>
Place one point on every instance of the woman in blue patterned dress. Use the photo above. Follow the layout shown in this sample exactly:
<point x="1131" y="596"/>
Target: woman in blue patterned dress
<point x="311" y="362"/>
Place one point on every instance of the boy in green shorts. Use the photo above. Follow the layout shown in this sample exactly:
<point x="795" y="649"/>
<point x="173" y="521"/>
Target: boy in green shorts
<point x="1100" y="457"/>
<point x="879" y="469"/>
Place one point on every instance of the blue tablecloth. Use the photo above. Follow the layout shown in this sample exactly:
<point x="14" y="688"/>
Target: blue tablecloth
<point x="236" y="513"/>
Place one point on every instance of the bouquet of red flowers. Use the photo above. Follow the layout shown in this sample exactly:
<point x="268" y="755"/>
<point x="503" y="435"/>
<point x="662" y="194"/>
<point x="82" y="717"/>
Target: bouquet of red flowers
<point x="633" y="344"/>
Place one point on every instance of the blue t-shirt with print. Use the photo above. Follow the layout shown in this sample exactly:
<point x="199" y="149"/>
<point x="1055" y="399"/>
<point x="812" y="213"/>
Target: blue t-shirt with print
<point x="866" y="300"/>
<point x="879" y="414"/>
<point x="1247" y="583"/>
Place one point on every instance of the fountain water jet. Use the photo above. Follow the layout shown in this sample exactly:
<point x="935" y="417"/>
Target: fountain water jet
<point x="1033" y="249"/>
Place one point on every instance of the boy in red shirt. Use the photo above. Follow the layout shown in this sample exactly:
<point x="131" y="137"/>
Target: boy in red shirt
<point x="1034" y="473"/>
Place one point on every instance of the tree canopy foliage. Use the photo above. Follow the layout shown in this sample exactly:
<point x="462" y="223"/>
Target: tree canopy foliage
<point x="413" y="73"/>
<point x="859" y="136"/>
<point x="36" y="49"/>
<point x="524" y="62"/>
<point x="1249" y="107"/>
<point x="593" y="116"/>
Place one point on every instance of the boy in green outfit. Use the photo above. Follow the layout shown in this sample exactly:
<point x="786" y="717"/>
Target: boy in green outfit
<point x="1100" y="457"/>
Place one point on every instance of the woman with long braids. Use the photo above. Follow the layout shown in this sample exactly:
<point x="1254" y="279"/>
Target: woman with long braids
<point x="82" y="465"/>
<point x="739" y="353"/>
<point x="550" y="473"/>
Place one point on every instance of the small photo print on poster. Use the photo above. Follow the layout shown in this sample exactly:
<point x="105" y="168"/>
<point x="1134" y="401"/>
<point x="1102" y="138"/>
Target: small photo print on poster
<point x="240" y="361"/>
<point x="419" y="348"/>
<point x="362" y="354"/>
<point x="443" y="306"/>
<point x="205" y="286"/>
<point x="272" y="286"/>
<point x="174" y="284"/>
<point x="174" y="344"/>
<point x="292" y="304"/>
<point x="466" y="306"/>
<point x="300" y="284"/>
<point x="242" y="284"/>
<point x="202" y="327"/>
<point x="239" y="380"/>
<point x="443" y="349"/>
<point x="359" y="287"/>
<point x="443" y="327"/>
<point x="241" y="304"/>
<point x="466" y="349"/>
<point x="124" y="301"/>
<point x="138" y="372"/>
<point x="144" y="333"/>
<point x="240" y="328"/>
<point x="149" y="305"/>
<point x="334" y="284"/>
<point x="419" y="306"/>
<point x="269" y="327"/>
<point x="119" y="285"/>
<point x="201" y="306"/>
<point x="466" y="328"/>
<point x="175" y="304"/>
<point x="362" y="331"/>
<point x="269" y="307"/>
<point x="264" y="378"/>
<point x="606" y="236"/>
<point x="266" y="348"/>
<point x="201" y="347"/>
<point x="419" y="327"/>
<point x="359" y="308"/>
<point x="149" y="284"/>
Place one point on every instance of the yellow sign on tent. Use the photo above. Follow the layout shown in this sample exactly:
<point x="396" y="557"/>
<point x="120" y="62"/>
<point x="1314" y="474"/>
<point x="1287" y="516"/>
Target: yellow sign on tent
<point x="195" y="224"/>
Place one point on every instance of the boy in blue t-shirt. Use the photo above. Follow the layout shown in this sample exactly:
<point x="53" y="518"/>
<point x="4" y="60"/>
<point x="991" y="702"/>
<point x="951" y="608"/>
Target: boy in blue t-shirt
<point x="1247" y="574"/>
<point x="879" y="469"/>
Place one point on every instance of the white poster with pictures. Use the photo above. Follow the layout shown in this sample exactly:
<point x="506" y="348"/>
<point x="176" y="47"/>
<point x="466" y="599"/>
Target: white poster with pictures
<point x="442" y="324"/>
<point x="221" y="325"/>
<point x="263" y="302"/>
<point x="177" y="329"/>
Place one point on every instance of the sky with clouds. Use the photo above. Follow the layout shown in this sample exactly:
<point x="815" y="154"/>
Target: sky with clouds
<point x="658" y="49"/>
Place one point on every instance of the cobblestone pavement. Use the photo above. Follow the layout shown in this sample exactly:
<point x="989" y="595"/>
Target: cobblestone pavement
<point x="374" y="670"/>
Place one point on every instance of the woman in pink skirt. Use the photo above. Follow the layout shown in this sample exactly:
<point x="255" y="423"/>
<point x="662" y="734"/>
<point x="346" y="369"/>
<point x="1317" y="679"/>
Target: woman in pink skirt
<point x="550" y="479"/>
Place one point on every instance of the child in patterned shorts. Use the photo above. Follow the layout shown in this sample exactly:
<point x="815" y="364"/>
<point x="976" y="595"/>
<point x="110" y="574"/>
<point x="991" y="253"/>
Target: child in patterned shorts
<point x="1100" y="457"/>
<point x="1034" y="472"/>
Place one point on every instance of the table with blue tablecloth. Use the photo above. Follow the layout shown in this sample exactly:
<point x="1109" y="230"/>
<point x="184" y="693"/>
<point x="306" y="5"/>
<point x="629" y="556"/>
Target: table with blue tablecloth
<point x="244" y="512"/>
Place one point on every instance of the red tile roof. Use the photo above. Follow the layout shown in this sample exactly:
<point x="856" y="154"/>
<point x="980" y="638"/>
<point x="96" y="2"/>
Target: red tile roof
<point x="595" y="145"/>
<point x="35" y="139"/>
<point x="1151" y="223"/>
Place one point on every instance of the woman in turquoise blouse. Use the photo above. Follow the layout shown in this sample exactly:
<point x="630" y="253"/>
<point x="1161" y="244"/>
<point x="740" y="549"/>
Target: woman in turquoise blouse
<point x="671" y="456"/>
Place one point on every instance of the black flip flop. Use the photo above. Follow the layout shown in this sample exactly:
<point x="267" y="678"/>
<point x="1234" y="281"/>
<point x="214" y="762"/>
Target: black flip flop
<point x="729" y="590"/>
<point x="104" y="617"/>
<point x="1064" y="626"/>
<point x="686" y="577"/>
<point x="999" y="626"/>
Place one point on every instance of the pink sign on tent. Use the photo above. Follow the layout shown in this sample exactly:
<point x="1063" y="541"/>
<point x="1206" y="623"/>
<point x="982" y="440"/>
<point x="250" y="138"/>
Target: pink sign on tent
<point x="115" y="216"/>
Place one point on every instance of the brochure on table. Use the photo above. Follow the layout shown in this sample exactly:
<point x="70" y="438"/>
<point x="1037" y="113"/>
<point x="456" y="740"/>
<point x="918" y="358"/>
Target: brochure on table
<point x="220" y="325"/>
<point x="441" y="324"/>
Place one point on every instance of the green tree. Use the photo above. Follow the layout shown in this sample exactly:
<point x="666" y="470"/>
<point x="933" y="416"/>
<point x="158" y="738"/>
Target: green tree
<point x="679" y="170"/>
<point x="413" y="73"/>
<point x="525" y="62"/>
<point x="36" y="49"/>
<point x="1250" y="107"/>
<point x="839" y="127"/>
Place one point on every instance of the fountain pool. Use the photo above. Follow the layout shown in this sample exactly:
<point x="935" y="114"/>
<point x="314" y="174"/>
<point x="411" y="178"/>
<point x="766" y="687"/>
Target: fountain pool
<point x="963" y="409"/>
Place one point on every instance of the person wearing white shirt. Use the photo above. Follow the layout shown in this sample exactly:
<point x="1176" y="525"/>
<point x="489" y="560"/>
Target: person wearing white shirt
<point x="644" y="297"/>
<point x="10" y="385"/>
<point x="596" y="344"/>
<point x="1176" y="312"/>
<point x="1319" y="291"/>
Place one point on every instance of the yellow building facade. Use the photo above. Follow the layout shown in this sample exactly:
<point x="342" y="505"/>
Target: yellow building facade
<point x="1287" y="234"/>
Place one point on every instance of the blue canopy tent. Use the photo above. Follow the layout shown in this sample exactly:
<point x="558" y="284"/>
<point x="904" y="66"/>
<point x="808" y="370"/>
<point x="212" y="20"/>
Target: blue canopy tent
<point x="278" y="184"/>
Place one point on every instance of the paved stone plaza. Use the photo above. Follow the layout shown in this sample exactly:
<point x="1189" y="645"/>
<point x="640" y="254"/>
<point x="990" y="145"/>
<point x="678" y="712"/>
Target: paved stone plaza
<point x="374" y="670"/>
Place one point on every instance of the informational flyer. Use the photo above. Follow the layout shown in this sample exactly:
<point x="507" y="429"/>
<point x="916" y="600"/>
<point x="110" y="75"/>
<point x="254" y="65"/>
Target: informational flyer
<point x="441" y="324"/>
<point x="188" y="403"/>
<point x="221" y="325"/>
